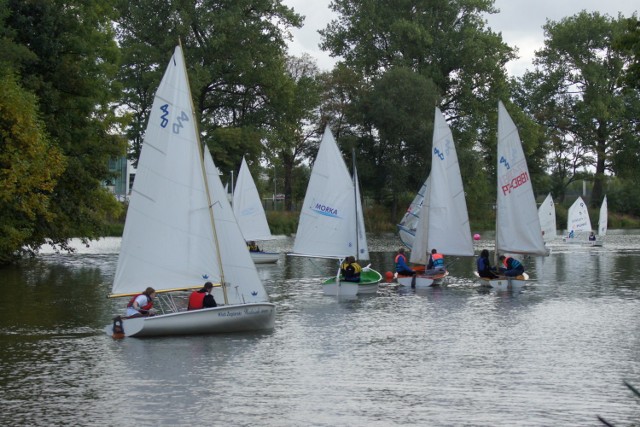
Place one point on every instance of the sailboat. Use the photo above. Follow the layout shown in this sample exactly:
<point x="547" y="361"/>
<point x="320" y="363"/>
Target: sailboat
<point x="180" y="230"/>
<point x="250" y="214"/>
<point x="443" y="223"/>
<point x="331" y="222"/>
<point x="578" y="222"/>
<point x="602" y="223"/>
<point x="409" y="222"/>
<point x="547" y="216"/>
<point x="518" y="229"/>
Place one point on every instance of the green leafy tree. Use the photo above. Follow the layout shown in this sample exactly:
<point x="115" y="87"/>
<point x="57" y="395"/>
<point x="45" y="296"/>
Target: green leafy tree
<point x="235" y="54"/>
<point x="578" y="93"/>
<point x="444" y="43"/>
<point x="64" y="53"/>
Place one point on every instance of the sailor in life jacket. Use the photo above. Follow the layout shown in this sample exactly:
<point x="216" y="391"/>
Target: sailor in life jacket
<point x="401" y="264"/>
<point x="253" y="247"/>
<point x="140" y="304"/>
<point x="512" y="267"/>
<point x="202" y="298"/>
<point x="436" y="261"/>
<point x="350" y="270"/>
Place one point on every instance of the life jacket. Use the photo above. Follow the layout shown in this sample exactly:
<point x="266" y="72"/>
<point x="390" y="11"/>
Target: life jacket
<point x="514" y="263"/>
<point x="147" y="307"/>
<point x="438" y="260"/>
<point x="196" y="300"/>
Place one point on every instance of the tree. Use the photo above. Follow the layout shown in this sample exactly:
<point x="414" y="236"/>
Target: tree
<point x="577" y="92"/>
<point x="445" y="43"/>
<point x="64" y="53"/>
<point x="235" y="53"/>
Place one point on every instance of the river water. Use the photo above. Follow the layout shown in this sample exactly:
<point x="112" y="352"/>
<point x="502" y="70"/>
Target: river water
<point x="555" y="353"/>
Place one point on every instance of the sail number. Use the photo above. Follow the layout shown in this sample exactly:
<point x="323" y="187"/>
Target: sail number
<point x="515" y="183"/>
<point x="164" y="121"/>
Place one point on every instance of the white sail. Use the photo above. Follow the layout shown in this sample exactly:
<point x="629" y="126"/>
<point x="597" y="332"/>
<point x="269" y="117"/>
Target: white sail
<point x="248" y="208"/>
<point x="444" y="222"/>
<point x="169" y="239"/>
<point x="327" y="225"/>
<point x="603" y="219"/>
<point x="547" y="216"/>
<point x="363" y="247"/>
<point x="409" y="222"/>
<point x="578" y="219"/>
<point x="517" y="224"/>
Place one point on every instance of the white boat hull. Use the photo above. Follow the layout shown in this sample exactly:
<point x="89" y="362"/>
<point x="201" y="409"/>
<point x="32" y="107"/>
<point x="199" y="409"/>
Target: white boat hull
<point x="235" y="318"/>
<point x="422" y="280"/>
<point x="505" y="283"/>
<point x="265" y="257"/>
<point x="349" y="289"/>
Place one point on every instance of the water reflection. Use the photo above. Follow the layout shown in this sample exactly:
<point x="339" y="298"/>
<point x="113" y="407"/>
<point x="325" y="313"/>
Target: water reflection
<point x="553" y="354"/>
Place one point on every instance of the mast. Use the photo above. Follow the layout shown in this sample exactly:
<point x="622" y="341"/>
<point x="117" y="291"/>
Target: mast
<point x="355" y="200"/>
<point x="201" y="149"/>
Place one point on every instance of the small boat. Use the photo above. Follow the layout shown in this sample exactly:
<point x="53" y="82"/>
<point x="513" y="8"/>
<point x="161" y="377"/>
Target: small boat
<point x="518" y="229"/>
<point x="443" y="222"/>
<point x="578" y="223"/>
<point x="250" y="214"/>
<point x="547" y="216"/>
<point x="331" y="221"/>
<point x="180" y="230"/>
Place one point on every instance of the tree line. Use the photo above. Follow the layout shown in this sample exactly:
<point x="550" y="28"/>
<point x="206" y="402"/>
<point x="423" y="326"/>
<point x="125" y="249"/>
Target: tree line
<point x="78" y="79"/>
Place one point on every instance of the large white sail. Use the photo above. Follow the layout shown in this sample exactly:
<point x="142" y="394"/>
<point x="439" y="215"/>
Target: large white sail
<point x="517" y="224"/>
<point x="578" y="219"/>
<point x="363" y="247"/>
<point x="169" y="240"/>
<point x="409" y="222"/>
<point x="248" y="208"/>
<point x="547" y="216"/>
<point x="603" y="219"/>
<point x="444" y="222"/>
<point x="327" y="225"/>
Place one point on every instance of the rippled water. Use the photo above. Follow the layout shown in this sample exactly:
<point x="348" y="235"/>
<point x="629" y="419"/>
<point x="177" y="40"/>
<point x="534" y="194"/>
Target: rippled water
<point x="554" y="354"/>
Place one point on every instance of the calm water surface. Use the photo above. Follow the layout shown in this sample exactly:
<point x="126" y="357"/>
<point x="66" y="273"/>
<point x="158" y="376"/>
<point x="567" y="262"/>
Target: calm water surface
<point x="554" y="354"/>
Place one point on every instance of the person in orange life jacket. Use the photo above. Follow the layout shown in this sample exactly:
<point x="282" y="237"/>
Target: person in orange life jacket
<point x="512" y="267"/>
<point x="202" y="298"/>
<point x="141" y="304"/>
<point x="401" y="264"/>
<point x="484" y="266"/>
<point x="436" y="261"/>
<point x="350" y="270"/>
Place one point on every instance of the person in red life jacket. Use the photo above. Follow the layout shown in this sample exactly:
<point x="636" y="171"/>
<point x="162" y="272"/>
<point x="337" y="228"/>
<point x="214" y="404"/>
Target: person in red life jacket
<point x="436" y="262"/>
<point x="512" y="267"/>
<point x="401" y="264"/>
<point x="141" y="304"/>
<point x="202" y="298"/>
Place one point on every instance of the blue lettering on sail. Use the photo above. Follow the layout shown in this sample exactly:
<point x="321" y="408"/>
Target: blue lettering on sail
<point x="163" y="118"/>
<point x="325" y="210"/>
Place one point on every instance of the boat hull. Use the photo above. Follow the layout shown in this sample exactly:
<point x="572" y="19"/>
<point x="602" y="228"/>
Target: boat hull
<point x="505" y="283"/>
<point x="368" y="284"/>
<point x="217" y="320"/>
<point x="422" y="280"/>
<point x="265" y="257"/>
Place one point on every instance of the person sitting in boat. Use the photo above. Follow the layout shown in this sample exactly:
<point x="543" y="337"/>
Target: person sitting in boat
<point x="484" y="266"/>
<point x="571" y="234"/>
<point x="141" y="304"/>
<point x="253" y="247"/>
<point x="202" y="298"/>
<point x="350" y="270"/>
<point x="436" y="262"/>
<point x="592" y="237"/>
<point x="512" y="267"/>
<point x="401" y="264"/>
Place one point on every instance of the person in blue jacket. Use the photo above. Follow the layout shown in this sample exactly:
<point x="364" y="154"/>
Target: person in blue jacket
<point x="512" y="267"/>
<point x="401" y="264"/>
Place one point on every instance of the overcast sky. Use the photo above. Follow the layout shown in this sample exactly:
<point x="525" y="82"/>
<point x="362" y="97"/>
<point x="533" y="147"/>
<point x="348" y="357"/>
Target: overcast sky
<point x="519" y="21"/>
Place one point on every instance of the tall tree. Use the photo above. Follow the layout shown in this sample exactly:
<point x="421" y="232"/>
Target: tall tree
<point x="69" y="64"/>
<point x="445" y="43"/>
<point x="235" y="52"/>
<point x="578" y="93"/>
